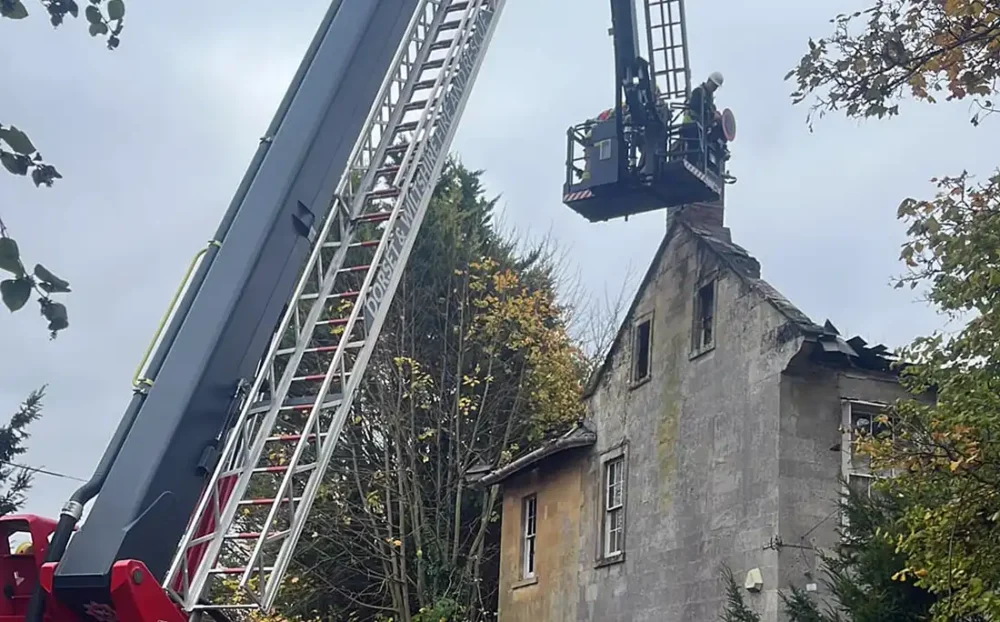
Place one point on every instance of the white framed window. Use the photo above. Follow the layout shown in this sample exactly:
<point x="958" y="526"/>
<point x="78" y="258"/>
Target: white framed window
<point x="860" y="419"/>
<point x="529" y="535"/>
<point x="614" y="508"/>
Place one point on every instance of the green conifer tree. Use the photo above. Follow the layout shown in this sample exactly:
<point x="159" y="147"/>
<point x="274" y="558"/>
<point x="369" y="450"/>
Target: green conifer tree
<point x="15" y="480"/>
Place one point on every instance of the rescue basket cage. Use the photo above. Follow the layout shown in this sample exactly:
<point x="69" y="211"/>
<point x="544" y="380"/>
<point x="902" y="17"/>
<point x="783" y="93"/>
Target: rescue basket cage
<point x="686" y="140"/>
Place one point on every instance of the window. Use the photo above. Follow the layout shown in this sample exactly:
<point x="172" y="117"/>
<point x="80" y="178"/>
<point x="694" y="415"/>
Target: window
<point x="604" y="149"/>
<point x="641" y="349"/>
<point x="614" y="507"/>
<point x="704" y="318"/>
<point x="860" y="419"/>
<point x="529" y="513"/>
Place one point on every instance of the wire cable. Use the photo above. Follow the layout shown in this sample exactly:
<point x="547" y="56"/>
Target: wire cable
<point x="42" y="471"/>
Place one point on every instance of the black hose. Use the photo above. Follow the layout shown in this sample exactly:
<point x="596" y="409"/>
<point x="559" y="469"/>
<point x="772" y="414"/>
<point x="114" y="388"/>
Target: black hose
<point x="60" y="538"/>
<point x="73" y="509"/>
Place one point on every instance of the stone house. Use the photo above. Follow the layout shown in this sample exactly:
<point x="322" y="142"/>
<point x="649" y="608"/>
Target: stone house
<point x="716" y="432"/>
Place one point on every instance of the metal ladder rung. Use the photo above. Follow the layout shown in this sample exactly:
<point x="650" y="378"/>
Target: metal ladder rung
<point x="458" y="6"/>
<point x="415" y="106"/>
<point x="450" y="25"/>
<point x="386" y="171"/>
<point x="305" y="468"/>
<point x="338" y="244"/>
<point x="315" y="377"/>
<point x="407" y="127"/>
<point x="402" y="147"/>
<point x="338" y="321"/>
<point x="333" y="296"/>
<point x="352" y="345"/>
<point x="285" y="438"/>
<point x="272" y="501"/>
<point x="348" y="294"/>
<point x="437" y="63"/>
<point x="301" y="407"/>
<point x="385" y="193"/>
<point x="236" y="570"/>
<point x="294" y="403"/>
<point x="374" y="217"/>
<point x="330" y="322"/>
<point x="251" y="535"/>
<point x="361" y="268"/>
<point x="444" y="44"/>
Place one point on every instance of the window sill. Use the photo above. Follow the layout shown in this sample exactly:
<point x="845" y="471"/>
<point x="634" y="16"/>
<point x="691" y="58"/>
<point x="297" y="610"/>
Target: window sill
<point x="700" y="353"/>
<point x="525" y="583"/>
<point x="610" y="561"/>
<point x="635" y="384"/>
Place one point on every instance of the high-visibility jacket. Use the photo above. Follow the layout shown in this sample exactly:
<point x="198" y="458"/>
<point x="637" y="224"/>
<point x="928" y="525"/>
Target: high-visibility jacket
<point x="700" y="100"/>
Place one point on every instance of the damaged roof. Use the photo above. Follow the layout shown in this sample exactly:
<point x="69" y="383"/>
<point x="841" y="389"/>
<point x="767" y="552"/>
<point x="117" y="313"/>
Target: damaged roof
<point x="854" y="352"/>
<point x="830" y="348"/>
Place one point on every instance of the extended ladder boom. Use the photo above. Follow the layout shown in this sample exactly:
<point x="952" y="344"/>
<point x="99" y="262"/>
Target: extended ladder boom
<point x="273" y="464"/>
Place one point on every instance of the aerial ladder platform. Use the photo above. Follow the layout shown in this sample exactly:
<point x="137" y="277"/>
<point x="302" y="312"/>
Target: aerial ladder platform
<point x="211" y="475"/>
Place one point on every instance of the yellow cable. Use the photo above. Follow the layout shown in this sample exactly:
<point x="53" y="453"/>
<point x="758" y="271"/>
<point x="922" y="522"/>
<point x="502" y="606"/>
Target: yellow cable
<point x="137" y="379"/>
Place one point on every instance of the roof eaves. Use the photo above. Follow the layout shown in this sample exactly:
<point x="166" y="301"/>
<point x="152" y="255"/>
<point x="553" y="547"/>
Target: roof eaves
<point x="579" y="436"/>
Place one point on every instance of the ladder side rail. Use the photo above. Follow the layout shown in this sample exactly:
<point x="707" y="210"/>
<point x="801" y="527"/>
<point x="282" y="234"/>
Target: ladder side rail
<point x="437" y="159"/>
<point x="426" y="119"/>
<point x="233" y="438"/>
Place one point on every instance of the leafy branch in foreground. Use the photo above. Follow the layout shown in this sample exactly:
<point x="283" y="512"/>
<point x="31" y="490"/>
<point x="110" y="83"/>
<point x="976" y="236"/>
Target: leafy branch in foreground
<point x="109" y="22"/>
<point x="19" y="156"/>
<point x="946" y="454"/>
<point x="16" y="291"/>
<point x="926" y="49"/>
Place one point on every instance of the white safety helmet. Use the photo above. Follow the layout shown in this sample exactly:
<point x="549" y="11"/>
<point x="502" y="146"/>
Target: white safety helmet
<point x="716" y="78"/>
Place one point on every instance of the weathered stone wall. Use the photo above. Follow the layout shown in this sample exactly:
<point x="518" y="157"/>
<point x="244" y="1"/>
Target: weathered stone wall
<point x="551" y="595"/>
<point x="702" y="444"/>
<point x="811" y="461"/>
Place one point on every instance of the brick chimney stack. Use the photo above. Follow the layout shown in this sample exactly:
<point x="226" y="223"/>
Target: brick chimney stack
<point x="705" y="215"/>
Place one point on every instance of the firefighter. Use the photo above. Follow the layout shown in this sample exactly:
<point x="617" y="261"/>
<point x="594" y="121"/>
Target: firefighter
<point x="700" y="112"/>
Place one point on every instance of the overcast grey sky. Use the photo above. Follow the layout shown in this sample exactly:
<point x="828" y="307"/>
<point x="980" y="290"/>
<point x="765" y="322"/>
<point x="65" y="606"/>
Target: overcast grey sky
<point x="153" y="138"/>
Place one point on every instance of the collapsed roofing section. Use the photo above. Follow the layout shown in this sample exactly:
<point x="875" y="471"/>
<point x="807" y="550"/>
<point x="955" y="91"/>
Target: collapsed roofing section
<point x="854" y="352"/>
